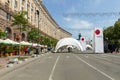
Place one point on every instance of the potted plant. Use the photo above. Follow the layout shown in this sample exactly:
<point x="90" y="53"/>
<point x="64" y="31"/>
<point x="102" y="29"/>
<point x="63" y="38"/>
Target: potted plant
<point x="7" y="52"/>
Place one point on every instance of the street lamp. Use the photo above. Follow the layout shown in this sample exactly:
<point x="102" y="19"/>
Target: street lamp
<point x="79" y="36"/>
<point x="6" y="32"/>
<point x="37" y="11"/>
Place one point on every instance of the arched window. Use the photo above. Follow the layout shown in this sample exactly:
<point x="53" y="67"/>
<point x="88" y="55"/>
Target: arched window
<point x="23" y="37"/>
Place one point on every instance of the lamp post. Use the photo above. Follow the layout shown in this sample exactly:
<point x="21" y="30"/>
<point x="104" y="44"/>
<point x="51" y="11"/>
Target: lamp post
<point x="6" y="32"/>
<point x="79" y="36"/>
<point x="37" y="11"/>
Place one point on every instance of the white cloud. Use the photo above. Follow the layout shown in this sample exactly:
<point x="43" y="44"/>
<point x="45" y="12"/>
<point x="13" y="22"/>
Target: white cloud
<point x="83" y="27"/>
<point x="77" y="26"/>
<point x="72" y="10"/>
<point x="97" y="2"/>
<point x="80" y="24"/>
<point x="67" y="19"/>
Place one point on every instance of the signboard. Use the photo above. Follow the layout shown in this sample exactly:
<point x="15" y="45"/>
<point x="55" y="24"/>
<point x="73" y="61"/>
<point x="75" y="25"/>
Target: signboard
<point x="83" y="43"/>
<point x="98" y="40"/>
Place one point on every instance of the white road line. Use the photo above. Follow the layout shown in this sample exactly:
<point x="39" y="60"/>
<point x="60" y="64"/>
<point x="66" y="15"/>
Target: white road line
<point x="51" y="74"/>
<point x="95" y="68"/>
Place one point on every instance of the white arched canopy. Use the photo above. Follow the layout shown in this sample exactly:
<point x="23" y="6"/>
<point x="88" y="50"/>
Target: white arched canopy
<point x="89" y="46"/>
<point x="68" y="41"/>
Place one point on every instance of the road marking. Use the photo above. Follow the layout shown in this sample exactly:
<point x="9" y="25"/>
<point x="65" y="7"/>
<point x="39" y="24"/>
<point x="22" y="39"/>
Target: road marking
<point x="51" y="74"/>
<point x="95" y="68"/>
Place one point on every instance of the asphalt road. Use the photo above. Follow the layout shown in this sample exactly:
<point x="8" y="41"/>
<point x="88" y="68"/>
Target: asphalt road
<point x="68" y="66"/>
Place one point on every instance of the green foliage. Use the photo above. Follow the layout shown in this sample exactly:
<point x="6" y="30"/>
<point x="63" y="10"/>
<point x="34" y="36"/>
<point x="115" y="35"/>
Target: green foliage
<point x="117" y="30"/>
<point x="33" y="35"/>
<point x="48" y="41"/>
<point x="109" y="33"/>
<point x="2" y="34"/>
<point x="112" y="33"/>
<point x="19" y="19"/>
<point x="53" y="42"/>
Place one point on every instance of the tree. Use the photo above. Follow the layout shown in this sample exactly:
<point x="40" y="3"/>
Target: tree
<point x="2" y="34"/>
<point x="33" y="35"/>
<point x="109" y="33"/>
<point x="54" y="42"/>
<point x="20" y="20"/>
<point x="117" y="30"/>
<point x="112" y="33"/>
<point x="46" y="41"/>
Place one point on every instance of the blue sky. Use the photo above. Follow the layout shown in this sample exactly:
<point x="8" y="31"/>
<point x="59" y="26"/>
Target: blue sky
<point x="81" y="16"/>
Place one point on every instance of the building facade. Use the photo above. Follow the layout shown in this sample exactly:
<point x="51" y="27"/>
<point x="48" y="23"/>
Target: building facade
<point x="39" y="17"/>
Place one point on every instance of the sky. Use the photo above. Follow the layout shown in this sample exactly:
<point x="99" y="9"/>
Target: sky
<point x="81" y="16"/>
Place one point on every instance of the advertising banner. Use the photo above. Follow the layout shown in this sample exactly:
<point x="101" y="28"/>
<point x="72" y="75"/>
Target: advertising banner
<point x="98" y="40"/>
<point x="83" y="43"/>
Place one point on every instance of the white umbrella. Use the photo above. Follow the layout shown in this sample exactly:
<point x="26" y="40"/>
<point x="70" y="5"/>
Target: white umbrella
<point x="8" y="41"/>
<point x="25" y="43"/>
<point x="42" y="45"/>
<point x="16" y="43"/>
<point x="34" y="44"/>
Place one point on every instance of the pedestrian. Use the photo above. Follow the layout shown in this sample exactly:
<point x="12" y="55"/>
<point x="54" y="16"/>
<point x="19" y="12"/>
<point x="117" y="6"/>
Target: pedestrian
<point x="28" y="50"/>
<point x="37" y="51"/>
<point x="49" y="48"/>
<point x="25" y="50"/>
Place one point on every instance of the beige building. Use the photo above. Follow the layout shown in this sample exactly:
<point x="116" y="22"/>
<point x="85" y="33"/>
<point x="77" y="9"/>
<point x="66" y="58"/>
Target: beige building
<point x="38" y="17"/>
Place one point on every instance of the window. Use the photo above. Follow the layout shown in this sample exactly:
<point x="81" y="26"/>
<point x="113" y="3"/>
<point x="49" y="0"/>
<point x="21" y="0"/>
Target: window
<point x="8" y="17"/>
<point x="15" y="5"/>
<point x="32" y="5"/>
<point x="8" y="1"/>
<point x="22" y="8"/>
<point x="23" y="1"/>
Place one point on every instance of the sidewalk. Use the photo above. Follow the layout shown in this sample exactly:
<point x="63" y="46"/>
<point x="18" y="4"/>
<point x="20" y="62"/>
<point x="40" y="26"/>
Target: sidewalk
<point x="3" y="62"/>
<point x="6" y="69"/>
